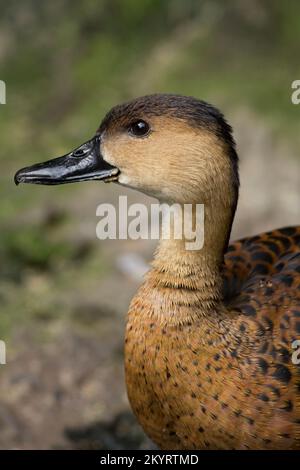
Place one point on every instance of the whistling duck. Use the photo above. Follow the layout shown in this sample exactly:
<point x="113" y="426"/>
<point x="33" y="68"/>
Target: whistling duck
<point x="208" y="348"/>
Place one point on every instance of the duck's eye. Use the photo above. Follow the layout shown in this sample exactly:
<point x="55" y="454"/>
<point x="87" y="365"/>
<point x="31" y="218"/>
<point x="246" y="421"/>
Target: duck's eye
<point x="139" y="128"/>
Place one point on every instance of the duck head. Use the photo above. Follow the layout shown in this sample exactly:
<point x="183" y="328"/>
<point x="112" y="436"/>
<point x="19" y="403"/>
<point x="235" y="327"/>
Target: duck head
<point x="172" y="147"/>
<point x="175" y="148"/>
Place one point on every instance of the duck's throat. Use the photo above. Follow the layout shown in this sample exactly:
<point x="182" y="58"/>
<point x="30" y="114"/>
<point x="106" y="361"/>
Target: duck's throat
<point x="184" y="284"/>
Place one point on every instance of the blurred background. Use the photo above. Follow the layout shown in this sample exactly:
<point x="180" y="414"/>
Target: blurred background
<point x="63" y="293"/>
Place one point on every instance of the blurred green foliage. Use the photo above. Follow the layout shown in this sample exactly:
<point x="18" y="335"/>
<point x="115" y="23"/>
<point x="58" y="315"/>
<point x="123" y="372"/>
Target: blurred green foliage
<point x="30" y="248"/>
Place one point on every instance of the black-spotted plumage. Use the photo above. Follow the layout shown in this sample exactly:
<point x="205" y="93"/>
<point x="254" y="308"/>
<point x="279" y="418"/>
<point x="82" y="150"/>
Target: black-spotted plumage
<point x="262" y="283"/>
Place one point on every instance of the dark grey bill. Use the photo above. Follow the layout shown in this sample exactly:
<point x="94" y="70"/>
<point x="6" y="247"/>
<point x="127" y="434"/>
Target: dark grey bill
<point x="83" y="164"/>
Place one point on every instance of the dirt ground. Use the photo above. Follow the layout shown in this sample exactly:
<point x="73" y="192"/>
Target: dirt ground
<point x="67" y="390"/>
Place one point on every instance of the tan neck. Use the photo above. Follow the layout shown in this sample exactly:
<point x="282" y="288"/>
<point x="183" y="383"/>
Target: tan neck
<point x="185" y="285"/>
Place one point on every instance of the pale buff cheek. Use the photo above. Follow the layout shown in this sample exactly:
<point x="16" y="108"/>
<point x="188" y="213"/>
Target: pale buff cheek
<point x="125" y="180"/>
<point x="107" y="154"/>
<point x="117" y="152"/>
<point x="125" y="177"/>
